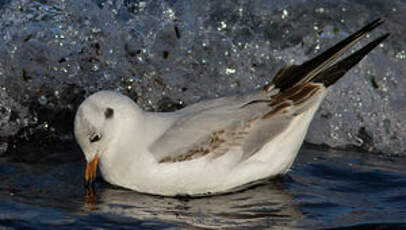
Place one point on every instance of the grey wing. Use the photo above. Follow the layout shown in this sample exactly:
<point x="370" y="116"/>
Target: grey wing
<point x="197" y="123"/>
<point x="216" y="126"/>
<point x="212" y="127"/>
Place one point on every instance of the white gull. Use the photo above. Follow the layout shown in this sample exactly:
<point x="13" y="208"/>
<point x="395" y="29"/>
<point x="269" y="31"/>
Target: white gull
<point x="213" y="146"/>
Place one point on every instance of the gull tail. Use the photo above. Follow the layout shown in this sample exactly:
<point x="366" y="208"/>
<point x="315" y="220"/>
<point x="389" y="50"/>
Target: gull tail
<point x="317" y="70"/>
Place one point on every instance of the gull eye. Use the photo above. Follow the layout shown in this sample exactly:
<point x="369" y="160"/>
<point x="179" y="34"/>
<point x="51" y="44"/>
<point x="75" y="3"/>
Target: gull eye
<point x="94" y="138"/>
<point x="109" y="113"/>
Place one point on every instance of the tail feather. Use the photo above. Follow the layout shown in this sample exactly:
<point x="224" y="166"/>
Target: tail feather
<point x="317" y="68"/>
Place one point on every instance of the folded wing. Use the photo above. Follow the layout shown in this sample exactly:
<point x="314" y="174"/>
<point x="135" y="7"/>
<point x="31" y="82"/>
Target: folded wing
<point x="248" y="122"/>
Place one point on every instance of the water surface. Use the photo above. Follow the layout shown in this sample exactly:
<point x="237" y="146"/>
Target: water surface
<point x="324" y="189"/>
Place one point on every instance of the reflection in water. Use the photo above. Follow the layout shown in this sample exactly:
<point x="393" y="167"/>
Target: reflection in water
<point x="90" y="199"/>
<point x="268" y="205"/>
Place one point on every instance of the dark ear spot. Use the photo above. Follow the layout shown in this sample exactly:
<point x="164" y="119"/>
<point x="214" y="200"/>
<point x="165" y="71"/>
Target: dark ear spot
<point x="109" y="113"/>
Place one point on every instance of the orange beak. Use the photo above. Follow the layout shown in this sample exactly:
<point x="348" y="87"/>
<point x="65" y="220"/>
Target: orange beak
<point x="90" y="174"/>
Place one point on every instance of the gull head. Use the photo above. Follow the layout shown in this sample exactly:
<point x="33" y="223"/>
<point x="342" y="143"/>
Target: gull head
<point x="97" y="123"/>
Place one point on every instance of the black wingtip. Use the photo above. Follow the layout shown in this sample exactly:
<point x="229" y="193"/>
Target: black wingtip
<point x="369" y="27"/>
<point x="309" y="70"/>
<point x="336" y="71"/>
<point x="344" y="43"/>
<point x="372" y="25"/>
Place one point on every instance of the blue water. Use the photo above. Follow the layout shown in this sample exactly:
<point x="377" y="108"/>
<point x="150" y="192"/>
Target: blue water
<point x="41" y="188"/>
